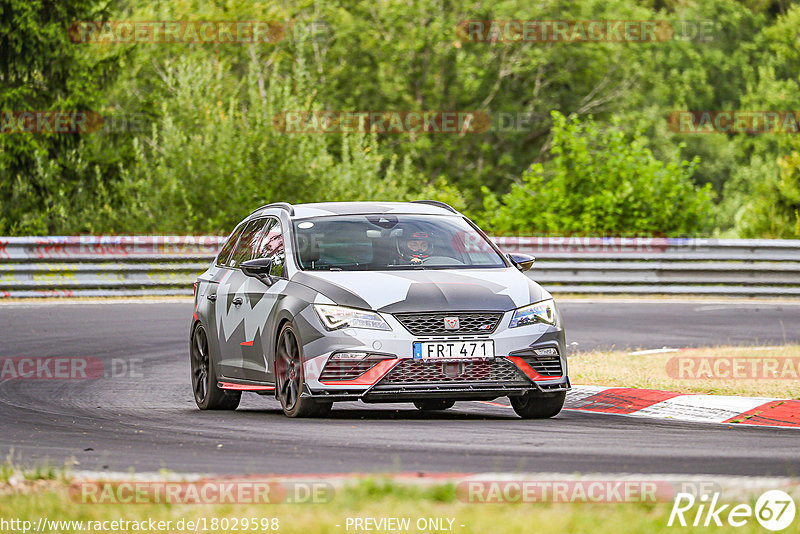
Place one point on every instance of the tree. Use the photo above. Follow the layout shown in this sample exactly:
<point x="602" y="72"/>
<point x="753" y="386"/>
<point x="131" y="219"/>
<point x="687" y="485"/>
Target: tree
<point x="772" y="209"/>
<point x="601" y="182"/>
<point x="43" y="176"/>
<point x="205" y="165"/>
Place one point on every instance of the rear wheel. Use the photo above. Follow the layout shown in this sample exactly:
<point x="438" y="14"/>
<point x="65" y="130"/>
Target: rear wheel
<point x="429" y="405"/>
<point x="534" y="405"/>
<point x="290" y="378"/>
<point x="207" y="395"/>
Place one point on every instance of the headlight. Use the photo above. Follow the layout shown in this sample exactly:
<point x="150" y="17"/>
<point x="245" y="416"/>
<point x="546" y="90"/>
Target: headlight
<point x="335" y="317"/>
<point x="541" y="312"/>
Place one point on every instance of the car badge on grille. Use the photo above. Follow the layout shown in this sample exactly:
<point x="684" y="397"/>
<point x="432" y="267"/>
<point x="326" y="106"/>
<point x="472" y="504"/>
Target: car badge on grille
<point x="451" y="323"/>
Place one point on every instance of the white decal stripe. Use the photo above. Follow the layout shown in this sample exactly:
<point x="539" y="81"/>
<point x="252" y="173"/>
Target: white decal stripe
<point x="708" y="408"/>
<point x="379" y="289"/>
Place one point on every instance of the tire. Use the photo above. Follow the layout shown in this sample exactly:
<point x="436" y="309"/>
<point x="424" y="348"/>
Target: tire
<point x="289" y="378"/>
<point x="207" y="395"/>
<point x="429" y="405"/>
<point x="534" y="405"/>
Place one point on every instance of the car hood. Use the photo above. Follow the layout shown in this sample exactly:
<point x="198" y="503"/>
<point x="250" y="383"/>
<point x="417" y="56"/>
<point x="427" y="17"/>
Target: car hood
<point x="426" y="290"/>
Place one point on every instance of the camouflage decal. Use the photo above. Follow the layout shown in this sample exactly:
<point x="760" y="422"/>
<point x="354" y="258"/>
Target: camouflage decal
<point x="337" y="293"/>
<point x="243" y="315"/>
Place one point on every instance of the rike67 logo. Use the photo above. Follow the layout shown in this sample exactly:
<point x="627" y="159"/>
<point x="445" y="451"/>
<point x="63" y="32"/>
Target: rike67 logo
<point x="774" y="510"/>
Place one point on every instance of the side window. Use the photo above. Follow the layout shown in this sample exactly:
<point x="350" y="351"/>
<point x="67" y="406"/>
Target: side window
<point x="247" y="243"/>
<point x="225" y="254"/>
<point x="272" y="247"/>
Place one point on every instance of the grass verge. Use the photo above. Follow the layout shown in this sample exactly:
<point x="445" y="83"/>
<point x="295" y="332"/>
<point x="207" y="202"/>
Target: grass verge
<point x="363" y="499"/>
<point x="652" y="371"/>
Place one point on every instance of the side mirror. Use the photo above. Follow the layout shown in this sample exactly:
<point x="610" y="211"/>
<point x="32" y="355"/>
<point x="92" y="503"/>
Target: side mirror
<point x="258" y="268"/>
<point x="523" y="262"/>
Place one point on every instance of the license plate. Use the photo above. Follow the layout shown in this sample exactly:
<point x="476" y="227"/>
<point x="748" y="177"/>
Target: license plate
<point x="453" y="350"/>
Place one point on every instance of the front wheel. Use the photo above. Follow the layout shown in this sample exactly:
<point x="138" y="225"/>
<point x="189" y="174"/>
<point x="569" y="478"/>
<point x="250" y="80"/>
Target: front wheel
<point x="534" y="405"/>
<point x="290" y="379"/>
<point x="429" y="405"/>
<point x="207" y="395"/>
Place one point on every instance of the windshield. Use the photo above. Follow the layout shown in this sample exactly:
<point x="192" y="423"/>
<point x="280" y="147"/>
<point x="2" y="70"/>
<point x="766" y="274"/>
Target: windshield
<point x="391" y="242"/>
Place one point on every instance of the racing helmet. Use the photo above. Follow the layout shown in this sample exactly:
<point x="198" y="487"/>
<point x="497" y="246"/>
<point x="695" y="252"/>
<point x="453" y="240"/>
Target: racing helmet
<point x="415" y="245"/>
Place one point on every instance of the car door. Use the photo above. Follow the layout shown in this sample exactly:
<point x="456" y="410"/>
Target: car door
<point x="233" y="318"/>
<point x="262" y="302"/>
<point x="207" y="297"/>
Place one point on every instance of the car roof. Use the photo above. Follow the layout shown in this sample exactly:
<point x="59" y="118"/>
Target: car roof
<point x="321" y="209"/>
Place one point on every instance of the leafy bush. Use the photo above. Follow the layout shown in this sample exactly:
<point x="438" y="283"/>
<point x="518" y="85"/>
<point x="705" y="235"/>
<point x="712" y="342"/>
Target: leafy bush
<point x="601" y="182"/>
<point x="772" y="209"/>
<point x="47" y="177"/>
<point x="206" y="164"/>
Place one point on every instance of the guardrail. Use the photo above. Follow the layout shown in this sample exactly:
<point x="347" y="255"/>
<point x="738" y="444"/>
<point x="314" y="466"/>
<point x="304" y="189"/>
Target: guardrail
<point x="167" y="265"/>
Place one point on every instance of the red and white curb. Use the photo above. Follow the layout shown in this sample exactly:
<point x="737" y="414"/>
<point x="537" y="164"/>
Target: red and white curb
<point x="758" y="411"/>
<point x="657" y="404"/>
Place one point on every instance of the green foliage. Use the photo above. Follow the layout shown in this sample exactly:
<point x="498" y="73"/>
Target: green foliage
<point x="415" y="56"/>
<point x="41" y="176"/>
<point x="601" y="182"/>
<point x="207" y="164"/>
<point x="210" y="152"/>
<point x="772" y="209"/>
<point x="374" y="489"/>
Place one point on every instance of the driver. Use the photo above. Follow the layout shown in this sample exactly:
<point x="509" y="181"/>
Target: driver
<point x="416" y="247"/>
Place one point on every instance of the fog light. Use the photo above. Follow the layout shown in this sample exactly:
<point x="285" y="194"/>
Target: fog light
<point x="546" y="352"/>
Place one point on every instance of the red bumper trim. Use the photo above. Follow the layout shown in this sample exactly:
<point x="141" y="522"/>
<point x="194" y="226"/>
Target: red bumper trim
<point x="374" y="374"/>
<point x="529" y="371"/>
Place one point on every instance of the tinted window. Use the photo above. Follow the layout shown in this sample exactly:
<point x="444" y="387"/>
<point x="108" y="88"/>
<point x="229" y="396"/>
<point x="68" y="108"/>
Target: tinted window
<point x="272" y="247"/>
<point x="390" y="242"/>
<point x="225" y="254"/>
<point x="248" y="242"/>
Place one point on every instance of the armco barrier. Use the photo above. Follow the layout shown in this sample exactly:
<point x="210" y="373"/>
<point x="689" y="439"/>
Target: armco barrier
<point x="167" y="265"/>
<point x="103" y="265"/>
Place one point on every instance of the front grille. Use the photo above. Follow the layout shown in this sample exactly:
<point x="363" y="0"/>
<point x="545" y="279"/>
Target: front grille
<point x="420" y="372"/>
<point x="432" y="324"/>
<point x="544" y="365"/>
<point x="347" y="369"/>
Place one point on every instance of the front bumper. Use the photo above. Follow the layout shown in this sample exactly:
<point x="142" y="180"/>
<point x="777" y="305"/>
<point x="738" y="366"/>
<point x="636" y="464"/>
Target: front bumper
<point x="511" y="373"/>
<point x="468" y="392"/>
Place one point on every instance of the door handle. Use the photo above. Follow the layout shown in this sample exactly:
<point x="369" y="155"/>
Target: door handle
<point x="212" y="297"/>
<point x="237" y="301"/>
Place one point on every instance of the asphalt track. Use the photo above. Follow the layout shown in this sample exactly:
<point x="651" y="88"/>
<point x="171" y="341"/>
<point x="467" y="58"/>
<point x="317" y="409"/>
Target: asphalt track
<point x="145" y="418"/>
